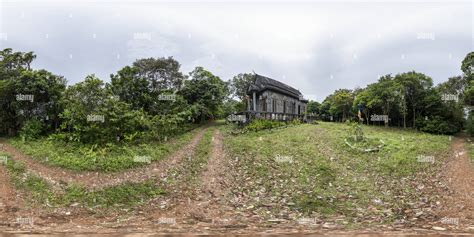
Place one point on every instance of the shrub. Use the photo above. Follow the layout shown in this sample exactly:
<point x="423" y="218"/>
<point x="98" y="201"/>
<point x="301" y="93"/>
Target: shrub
<point x="262" y="124"/>
<point x="438" y="125"/>
<point x="32" y="129"/>
<point x="470" y="124"/>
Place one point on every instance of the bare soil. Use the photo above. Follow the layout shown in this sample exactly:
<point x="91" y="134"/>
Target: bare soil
<point x="458" y="206"/>
<point x="206" y="207"/>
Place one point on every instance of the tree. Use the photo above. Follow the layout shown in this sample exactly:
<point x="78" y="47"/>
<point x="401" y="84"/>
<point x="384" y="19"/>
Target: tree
<point x="142" y="83"/>
<point x="94" y="115"/>
<point x="467" y="67"/>
<point x="206" y="91"/>
<point x="414" y="86"/>
<point x="313" y="107"/>
<point x="27" y="94"/>
<point x="240" y="84"/>
<point x="342" y="103"/>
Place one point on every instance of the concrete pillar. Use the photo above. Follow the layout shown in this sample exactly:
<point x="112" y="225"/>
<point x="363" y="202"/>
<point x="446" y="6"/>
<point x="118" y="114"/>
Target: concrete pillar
<point x="254" y="101"/>
<point x="248" y="103"/>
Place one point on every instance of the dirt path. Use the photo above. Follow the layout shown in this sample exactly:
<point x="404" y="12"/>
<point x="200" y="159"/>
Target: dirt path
<point x="97" y="180"/>
<point x="458" y="206"/>
<point x="9" y="202"/>
<point x="206" y="204"/>
<point x="212" y="203"/>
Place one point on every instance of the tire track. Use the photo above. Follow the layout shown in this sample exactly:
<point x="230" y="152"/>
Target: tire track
<point x="458" y="206"/>
<point x="208" y="203"/>
<point x="96" y="180"/>
<point x="11" y="202"/>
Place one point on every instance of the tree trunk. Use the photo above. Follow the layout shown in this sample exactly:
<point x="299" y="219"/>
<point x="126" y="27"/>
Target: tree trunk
<point x="404" y="120"/>
<point x="367" y="116"/>
<point x="414" y="114"/>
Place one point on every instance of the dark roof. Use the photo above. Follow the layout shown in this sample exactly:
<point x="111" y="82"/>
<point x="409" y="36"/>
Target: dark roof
<point x="262" y="83"/>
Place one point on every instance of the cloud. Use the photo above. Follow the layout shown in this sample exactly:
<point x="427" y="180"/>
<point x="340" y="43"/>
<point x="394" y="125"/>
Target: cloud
<point x="316" y="47"/>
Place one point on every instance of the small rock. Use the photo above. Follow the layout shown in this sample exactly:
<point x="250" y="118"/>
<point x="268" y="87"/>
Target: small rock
<point x="275" y="220"/>
<point x="377" y="201"/>
<point x="329" y="226"/>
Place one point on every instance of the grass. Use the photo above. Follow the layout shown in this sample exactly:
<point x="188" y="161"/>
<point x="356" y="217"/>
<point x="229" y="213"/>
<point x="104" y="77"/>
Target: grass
<point x="111" y="158"/>
<point x="309" y="168"/>
<point x="40" y="192"/>
<point x="193" y="165"/>
<point x="470" y="149"/>
<point x="128" y="194"/>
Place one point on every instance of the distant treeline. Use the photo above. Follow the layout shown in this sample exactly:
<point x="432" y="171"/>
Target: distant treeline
<point x="406" y="100"/>
<point x="153" y="99"/>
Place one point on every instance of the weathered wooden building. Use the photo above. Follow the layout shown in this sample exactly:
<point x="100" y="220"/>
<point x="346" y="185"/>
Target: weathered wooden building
<point x="271" y="99"/>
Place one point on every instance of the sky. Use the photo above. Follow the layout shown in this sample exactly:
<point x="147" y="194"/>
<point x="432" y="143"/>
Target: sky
<point x="314" y="46"/>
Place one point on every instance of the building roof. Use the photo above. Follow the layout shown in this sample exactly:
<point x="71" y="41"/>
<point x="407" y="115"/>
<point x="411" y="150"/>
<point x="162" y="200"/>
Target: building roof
<point x="262" y="83"/>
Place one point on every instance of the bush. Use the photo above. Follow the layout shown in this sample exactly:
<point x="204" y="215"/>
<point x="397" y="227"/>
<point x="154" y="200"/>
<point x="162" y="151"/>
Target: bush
<point x="262" y="124"/>
<point x="438" y="125"/>
<point x="32" y="129"/>
<point x="470" y="124"/>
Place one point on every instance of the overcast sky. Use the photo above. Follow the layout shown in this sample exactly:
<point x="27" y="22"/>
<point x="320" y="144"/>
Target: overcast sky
<point x="316" y="47"/>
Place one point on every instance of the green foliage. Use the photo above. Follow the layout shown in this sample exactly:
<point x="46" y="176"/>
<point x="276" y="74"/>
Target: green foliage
<point x="39" y="191"/>
<point x="342" y="103"/>
<point x="438" y="125"/>
<point x="406" y="100"/>
<point x="263" y="124"/>
<point x="240" y="84"/>
<point x="91" y="157"/>
<point x="93" y="115"/>
<point x="141" y="84"/>
<point x="231" y="106"/>
<point x="43" y="88"/>
<point x="127" y="194"/>
<point x="36" y="187"/>
<point x="313" y="107"/>
<point x="32" y="129"/>
<point x="206" y="92"/>
<point x="470" y="124"/>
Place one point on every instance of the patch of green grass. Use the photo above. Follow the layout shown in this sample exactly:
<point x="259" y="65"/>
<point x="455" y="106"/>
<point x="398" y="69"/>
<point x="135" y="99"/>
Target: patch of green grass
<point x="40" y="192"/>
<point x="110" y="158"/>
<point x="36" y="187"/>
<point x="128" y="194"/>
<point x="470" y="149"/>
<point x="313" y="167"/>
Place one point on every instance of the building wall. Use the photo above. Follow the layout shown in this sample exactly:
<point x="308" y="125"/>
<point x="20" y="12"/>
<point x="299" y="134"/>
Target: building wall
<point x="267" y="99"/>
